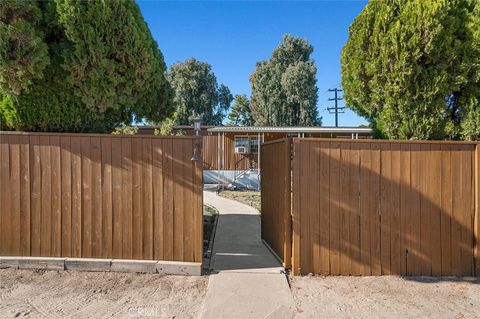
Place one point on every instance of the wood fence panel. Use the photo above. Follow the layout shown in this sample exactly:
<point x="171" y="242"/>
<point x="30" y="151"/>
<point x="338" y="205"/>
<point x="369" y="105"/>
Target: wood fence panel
<point x="25" y="195"/>
<point x="477" y="211"/>
<point x="377" y="207"/>
<point x="276" y="210"/>
<point x="102" y="196"/>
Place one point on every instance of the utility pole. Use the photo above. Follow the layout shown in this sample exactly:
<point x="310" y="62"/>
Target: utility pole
<point x="336" y="109"/>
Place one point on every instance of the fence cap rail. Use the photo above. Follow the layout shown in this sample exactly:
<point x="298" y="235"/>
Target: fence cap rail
<point x="21" y="133"/>
<point x="346" y="140"/>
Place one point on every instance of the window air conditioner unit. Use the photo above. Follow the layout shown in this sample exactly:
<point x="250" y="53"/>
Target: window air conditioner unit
<point x="241" y="150"/>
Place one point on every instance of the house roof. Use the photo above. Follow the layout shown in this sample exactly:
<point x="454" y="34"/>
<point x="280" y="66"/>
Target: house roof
<point x="290" y="129"/>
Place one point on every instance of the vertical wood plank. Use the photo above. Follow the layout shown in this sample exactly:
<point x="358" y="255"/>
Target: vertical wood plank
<point x="366" y="208"/>
<point x="188" y="190"/>
<point x="426" y="212"/>
<point x="314" y="176"/>
<point x="5" y="216"/>
<point x="36" y="205"/>
<point x="466" y="213"/>
<point x="324" y="194"/>
<point x="24" y="196"/>
<point x="148" y="222"/>
<point x="66" y="196"/>
<point x="86" y="198"/>
<point x="77" y="193"/>
<point x="117" y="197"/>
<point x="107" y="198"/>
<point x="137" y="194"/>
<point x="178" y="202"/>
<point x="395" y="225"/>
<point x="296" y="217"/>
<point x="46" y="197"/>
<point x="386" y="208"/>
<point x="55" y="154"/>
<point x="405" y="205"/>
<point x="305" y="209"/>
<point x="127" y="213"/>
<point x="14" y="189"/>
<point x="158" y="202"/>
<point x="435" y="193"/>
<point x="375" y="236"/>
<point x="477" y="209"/>
<point x="354" y="203"/>
<point x="286" y="208"/>
<point x="199" y="212"/>
<point x="446" y="210"/>
<point x="413" y="256"/>
<point x="335" y="175"/>
<point x="97" y="218"/>
<point x="3" y="169"/>
<point x="345" y="261"/>
<point x="168" y="208"/>
<point x="457" y="211"/>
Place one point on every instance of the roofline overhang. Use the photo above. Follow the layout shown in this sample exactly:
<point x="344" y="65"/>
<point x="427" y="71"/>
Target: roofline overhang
<point x="289" y="129"/>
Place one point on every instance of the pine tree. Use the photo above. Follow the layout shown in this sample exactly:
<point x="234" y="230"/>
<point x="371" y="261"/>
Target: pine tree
<point x="240" y="114"/>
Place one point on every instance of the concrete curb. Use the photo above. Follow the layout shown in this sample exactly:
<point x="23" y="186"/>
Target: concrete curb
<point x="179" y="268"/>
<point x="87" y="264"/>
<point x="106" y="265"/>
<point x="143" y="266"/>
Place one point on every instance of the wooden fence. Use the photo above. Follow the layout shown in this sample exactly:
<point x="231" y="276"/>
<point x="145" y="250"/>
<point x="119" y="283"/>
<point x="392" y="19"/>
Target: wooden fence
<point x="275" y="183"/>
<point x="100" y="196"/>
<point x="380" y="207"/>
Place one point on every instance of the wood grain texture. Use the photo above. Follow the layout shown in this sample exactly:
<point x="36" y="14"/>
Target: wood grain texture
<point x="402" y="208"/>
<point x="102" y="196"/>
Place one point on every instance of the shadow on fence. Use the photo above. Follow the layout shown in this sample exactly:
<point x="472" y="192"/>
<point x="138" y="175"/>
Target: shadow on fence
<point x="380" y="208"/>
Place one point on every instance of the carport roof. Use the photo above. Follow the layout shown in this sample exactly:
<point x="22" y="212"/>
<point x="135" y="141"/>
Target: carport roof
<point x="290" y="129"/>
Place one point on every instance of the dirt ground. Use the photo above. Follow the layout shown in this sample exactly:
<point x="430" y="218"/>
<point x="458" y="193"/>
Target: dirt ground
<point x="386" y="297"/>
<point x="69" y="294"/>
<point x="251" y="198"/>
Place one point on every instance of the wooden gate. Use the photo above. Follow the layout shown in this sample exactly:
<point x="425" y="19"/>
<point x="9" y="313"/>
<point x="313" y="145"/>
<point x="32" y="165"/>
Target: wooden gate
<point x="376" y="207"/>
<point x="276" y="204"/>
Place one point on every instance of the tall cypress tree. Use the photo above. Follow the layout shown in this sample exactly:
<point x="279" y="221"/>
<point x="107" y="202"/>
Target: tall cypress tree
<point x="72" y="65"/>
<point x="412" y="68"/>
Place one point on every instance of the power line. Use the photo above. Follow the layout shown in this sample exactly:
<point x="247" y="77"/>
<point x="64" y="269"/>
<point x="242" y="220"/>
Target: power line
<point x="336" y="109"/>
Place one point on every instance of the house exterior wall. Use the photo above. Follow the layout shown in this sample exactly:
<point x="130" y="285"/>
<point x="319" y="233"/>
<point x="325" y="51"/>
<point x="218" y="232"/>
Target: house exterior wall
<point x="219" y="153"/>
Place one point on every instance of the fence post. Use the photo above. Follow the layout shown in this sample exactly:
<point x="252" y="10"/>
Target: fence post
<point x="476" y="218"/>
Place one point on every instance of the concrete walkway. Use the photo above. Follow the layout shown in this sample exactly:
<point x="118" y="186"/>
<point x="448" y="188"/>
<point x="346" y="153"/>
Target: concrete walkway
<point x="247" y="280"/>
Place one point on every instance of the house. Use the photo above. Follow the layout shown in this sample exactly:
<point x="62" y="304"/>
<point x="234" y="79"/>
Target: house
<point x="231" y="153"/>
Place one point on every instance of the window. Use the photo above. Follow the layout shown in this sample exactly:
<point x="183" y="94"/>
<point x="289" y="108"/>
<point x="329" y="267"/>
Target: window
<point x="241" y="141"/>
<point x="254" y="145"/>
<point x="250" y="143"/>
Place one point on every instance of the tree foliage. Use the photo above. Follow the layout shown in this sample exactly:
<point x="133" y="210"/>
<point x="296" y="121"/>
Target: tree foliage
<point x="197" y="93"/>
<point x="284" y="90"/>
<point x="412" y="68"/>
<point x="241" y="114"/>
<point x="73" y="65"/>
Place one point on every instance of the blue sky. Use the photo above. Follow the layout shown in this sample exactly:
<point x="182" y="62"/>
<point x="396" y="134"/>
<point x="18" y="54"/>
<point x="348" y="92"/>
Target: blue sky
<point x="232" y="36"/>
